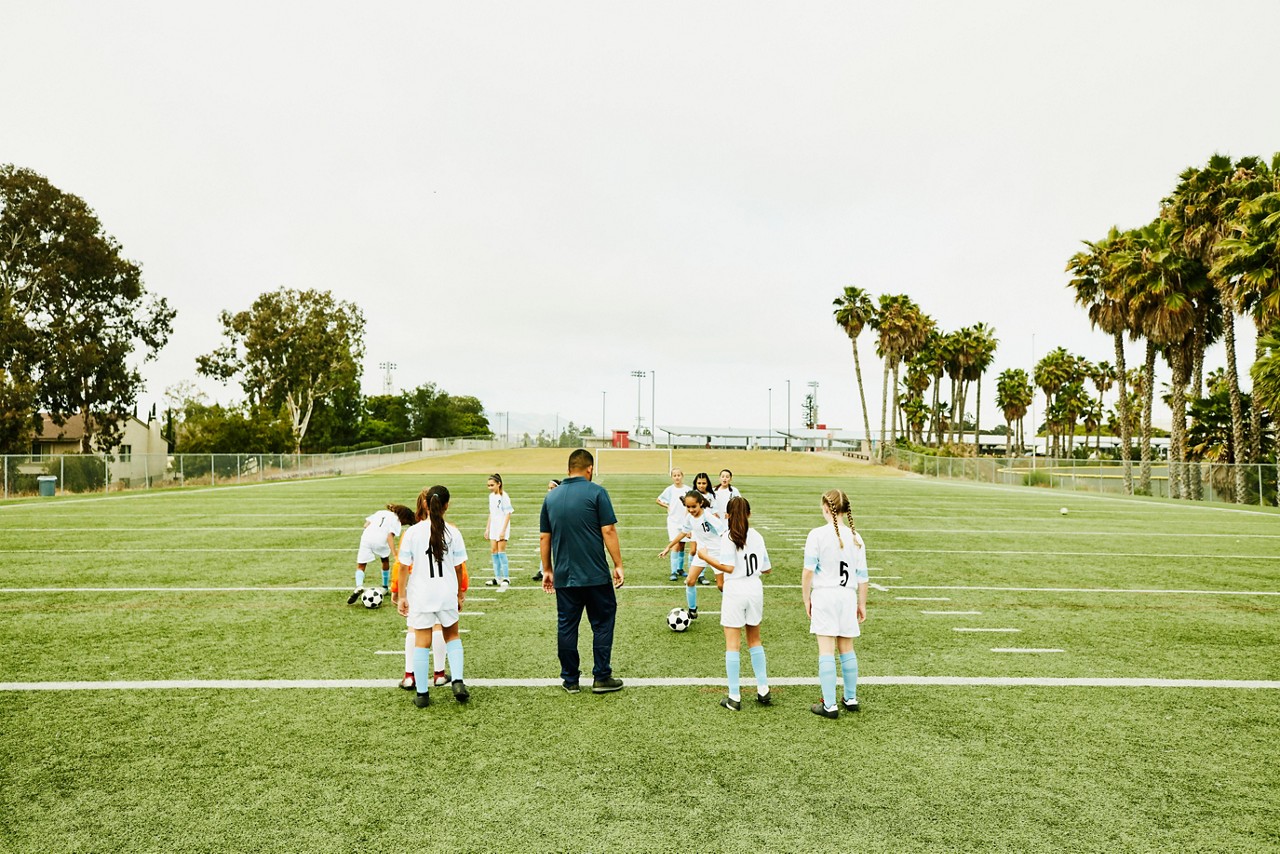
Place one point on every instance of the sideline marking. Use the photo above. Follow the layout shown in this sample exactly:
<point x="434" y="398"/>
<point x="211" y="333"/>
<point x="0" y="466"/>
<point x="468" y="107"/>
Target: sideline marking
<point x="879" y="587"/>
<point x="667" y="682"/>
<point x="962" y="629"/>
<point x="951" y="613"/>
<point x="1036" y="552"/>
<point x="920" y="598"/>
<point x="1023" y="649"/>
<point x="1089" y="590"/>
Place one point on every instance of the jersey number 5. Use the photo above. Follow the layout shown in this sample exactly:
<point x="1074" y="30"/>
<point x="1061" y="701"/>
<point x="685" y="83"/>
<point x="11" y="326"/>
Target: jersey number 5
<point x="844" y="574"/>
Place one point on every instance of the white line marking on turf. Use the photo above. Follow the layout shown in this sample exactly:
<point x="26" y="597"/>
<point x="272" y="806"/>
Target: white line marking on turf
<point x="1022" y="649"/>
<point x="1089" y="590"/>
<point x="879" y="587"/>
<point x="963" y="629"/>
<point x="920" y="598"/>
<point x="952" y="613"/>
<point x="385" y="684"/>
<point x="1036" y="552"/>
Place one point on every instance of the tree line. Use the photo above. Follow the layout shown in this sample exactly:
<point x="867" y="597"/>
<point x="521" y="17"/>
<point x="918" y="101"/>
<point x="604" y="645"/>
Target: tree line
<point x="74" y="313"/>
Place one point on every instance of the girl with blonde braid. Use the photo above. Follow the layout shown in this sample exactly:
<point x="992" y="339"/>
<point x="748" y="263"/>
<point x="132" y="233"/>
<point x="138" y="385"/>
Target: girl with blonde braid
<point x="834" y="587"/>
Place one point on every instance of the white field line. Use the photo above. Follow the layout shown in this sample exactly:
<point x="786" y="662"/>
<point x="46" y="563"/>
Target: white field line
<point x="962" y="629"/>
<point x="174" y="493"/>
<point x="1089" y="590"/>
<point x="920" y="598"/>
<point x="665" y="682"/>
<point x="1044" y="553"/>
<point x="1023" y="649"/>
<point x="952" y="613"/>
<point x="879" y="587"/>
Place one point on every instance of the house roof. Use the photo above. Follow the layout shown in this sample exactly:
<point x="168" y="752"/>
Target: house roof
<point x="72" y="431"/>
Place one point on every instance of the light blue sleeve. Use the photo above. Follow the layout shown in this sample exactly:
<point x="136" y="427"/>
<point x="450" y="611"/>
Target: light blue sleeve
<point x="861" y="572"/>
<point x="811" y="552"/>
<point x="457" y="548"/>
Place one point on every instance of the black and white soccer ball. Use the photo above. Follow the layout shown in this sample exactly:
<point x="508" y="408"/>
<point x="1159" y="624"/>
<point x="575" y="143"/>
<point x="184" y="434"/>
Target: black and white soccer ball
<point x="678" y="619"/>
<point x="371" y="598"/>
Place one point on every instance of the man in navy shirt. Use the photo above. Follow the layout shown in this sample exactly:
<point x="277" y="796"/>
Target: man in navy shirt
<point x="577" y="525"/>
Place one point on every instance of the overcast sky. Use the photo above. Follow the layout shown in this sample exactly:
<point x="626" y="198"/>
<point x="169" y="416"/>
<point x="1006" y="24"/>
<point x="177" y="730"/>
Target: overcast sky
<point x="531" y="200"/>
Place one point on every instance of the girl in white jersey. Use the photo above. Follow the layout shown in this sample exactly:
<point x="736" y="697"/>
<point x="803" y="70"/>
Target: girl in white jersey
<point x="433" y="561"/>
<point x="743" y="560"/>
<point x="672" y="498"/>
<point x="723" y="493"/>
<point x="834" y="587"/>
<point x="498" y="531"/>
<point x="705" y="530"/>
<point x="377" y="540"/>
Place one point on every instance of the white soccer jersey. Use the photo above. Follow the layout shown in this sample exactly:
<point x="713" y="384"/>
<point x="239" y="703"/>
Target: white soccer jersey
<point x="673" y="497"/>
<point x="720" y="500"/>
<point x="382" y="523"/>
<point x="432" y="586"/>
<point x="706" y="531"/>
<point x="499" y="507"/>
<point x="833" y="564"/>
<point x="747" y="562"/>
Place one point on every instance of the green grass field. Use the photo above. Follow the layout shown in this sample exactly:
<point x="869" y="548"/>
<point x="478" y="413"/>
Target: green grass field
<point x="1126" y="588"/>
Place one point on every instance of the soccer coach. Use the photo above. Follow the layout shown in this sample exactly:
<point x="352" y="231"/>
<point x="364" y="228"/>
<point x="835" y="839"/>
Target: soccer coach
<point x="576" y="526"/>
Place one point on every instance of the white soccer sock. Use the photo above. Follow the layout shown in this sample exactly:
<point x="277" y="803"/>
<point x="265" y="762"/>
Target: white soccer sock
<point x="437" y="649"/>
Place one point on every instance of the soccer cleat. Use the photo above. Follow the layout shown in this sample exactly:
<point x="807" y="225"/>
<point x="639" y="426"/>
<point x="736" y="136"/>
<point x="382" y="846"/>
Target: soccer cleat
<point x="605" y="686"/>
<point x="850" y="705"/>
<point x="537" y="576"/>
<point x="673" y="577"/>
<point x="731" y="704"/>
<point x="703" y="580"/>
<point x="460" y="692"/>
<point x="492" y="582"/>
<point x="693" y="613"/>
<point x="438" y="678"/>
<point x="822" y="711"/>
<point x="571" y="687"/>
<point x="351" y="600"/>
<point x="421" y="700"/>
<point x="683" y="574"/>
<point x="765" y="699"/>
<point x="407" y="683"/>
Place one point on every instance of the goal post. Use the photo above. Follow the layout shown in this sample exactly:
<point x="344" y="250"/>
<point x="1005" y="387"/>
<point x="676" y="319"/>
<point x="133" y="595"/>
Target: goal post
<point x="634" y="461"/>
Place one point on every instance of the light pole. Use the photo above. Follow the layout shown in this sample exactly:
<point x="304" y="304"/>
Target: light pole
<point x="770" y="445"/>
<point x="787" y="443"/>
<point x="639" y="375"/>
<point x="653" y="409"/>
<point x="604" y="403"/>
<point x="387" y="368"/>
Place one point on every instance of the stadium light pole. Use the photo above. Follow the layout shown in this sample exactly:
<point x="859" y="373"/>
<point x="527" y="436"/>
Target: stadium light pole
<point x="604" y="403"/>
<point x="787" y="443"/>
<point x="770" y="445"/>
<point x="653" y="410"/>
<point x="639" y="375"/>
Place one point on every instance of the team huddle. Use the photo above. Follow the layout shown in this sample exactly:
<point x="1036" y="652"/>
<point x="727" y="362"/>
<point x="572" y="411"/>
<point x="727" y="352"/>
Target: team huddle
<point x="710" y="535"/>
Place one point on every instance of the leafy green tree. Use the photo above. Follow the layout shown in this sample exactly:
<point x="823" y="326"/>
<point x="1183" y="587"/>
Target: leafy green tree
<point x="292" y="349"/>
<point x="434" y="413"/>
<point x="853" y="312"/>
<point x="73" y="313"/>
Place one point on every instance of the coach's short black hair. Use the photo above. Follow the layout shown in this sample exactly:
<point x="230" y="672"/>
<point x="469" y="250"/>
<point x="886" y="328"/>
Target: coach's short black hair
<point x="581" y="460"/>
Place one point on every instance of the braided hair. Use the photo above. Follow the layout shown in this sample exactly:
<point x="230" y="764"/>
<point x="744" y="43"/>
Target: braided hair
<point x="837" y="502"/>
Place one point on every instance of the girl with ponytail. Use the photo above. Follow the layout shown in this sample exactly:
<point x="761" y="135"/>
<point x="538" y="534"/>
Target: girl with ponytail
<point x="834" y="588"/>
<point x="742" y="561"/>
<point x="435" y="591"/>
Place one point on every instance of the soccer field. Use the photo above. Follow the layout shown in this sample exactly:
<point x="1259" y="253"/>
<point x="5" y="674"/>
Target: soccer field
<point x="179" y="672"/>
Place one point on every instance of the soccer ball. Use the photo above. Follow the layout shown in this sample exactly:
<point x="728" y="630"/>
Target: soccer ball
<point x="1063" y="511"/>
<point x="677" y="619"/>
<point x="371" y="598"/>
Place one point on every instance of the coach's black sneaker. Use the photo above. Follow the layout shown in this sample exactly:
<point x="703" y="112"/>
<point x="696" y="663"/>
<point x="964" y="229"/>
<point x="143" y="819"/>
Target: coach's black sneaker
<point x="460" y="692"/>
<point x="823" y="711"/>
<point x="351" y="600"/>
<point x="765" y="699"/>
<point x="605" y="686"/>
<point x="731" y="704"/>
<point x="421" y="700"/>
<point x="849" y="705"/>
<point x="571" y="687"/>
<point x="693" y="613"/>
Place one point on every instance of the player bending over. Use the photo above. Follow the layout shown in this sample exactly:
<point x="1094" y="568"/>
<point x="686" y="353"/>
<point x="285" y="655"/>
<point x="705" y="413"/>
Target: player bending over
<point x="377" y="540"/>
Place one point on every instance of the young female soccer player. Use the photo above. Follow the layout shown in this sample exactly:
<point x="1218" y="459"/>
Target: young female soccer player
<point x="551" y="484"/>
<point x="437" y="635"/>
<point x="497" y="531"/>
<point x="834" y="587"/>
<point x="743" y="560"/>
<point x="724" y="492"/>
<point x="434" y="593"/>
<point x="378" y="539"/>
<point x="702" y="483"/>
<point x="705" y="530"/>
<point x="672" y="498"/>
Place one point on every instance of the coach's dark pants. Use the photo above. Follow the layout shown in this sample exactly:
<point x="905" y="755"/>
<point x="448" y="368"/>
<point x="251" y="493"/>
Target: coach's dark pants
<point x="602" y="606"/>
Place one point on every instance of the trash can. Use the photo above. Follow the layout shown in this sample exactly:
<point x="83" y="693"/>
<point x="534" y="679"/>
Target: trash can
<point x="48" y="485"/>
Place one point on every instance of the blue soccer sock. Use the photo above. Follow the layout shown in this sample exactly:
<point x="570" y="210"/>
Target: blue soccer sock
<point x="675" y="564"/>
<point x="691" y="597"/>
<point x="386" y="578"/>
<point x="422" y="668"/>
<point x="497" y="566"/>
<point x="684" y="562"/>
<point x="827" y="678"/>
<point x="453" y="649"/>
<point x="359" y="578"/>
<point x="506" y="566"/>
<point x="849" y="666"/>
<point x="758" y="668"/>
<point x="732" y="664"/>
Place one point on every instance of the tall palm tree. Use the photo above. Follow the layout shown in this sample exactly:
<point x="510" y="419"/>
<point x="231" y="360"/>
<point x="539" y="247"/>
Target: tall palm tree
<point x="901" y="327"/>
<point x="1201" y="209"/>
<point x="1103" y="291"/>
<point x="1013" y="395"/>
<point x="983" y="354"/>
<point x="853" y="312"/>
<point x="1266" y="373"/>
<point x="1052" y="372"/>
<point x="1103" y="376"/>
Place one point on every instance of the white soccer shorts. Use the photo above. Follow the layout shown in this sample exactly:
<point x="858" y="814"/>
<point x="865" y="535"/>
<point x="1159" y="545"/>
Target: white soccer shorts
<point x="835" y="612"/>
<point x="741" y="609"/>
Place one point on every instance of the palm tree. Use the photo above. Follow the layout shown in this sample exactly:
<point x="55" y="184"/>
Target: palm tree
<point x="1266" y="372"/>
<point x="1103" y="377"/>
<point x="1103" y="291"/>
<point x="1013" y="396"/>
<point x="1052" y="372"/>
<point x="983" y="353"/>
<point x="853" y="312"/>
<point x="901" y="327"/>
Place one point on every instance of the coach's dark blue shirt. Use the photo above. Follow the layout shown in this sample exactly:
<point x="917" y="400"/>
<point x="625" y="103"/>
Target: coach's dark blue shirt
<point x="573" y="514"/>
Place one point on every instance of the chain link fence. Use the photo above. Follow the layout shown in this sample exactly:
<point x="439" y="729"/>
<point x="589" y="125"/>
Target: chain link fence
<point x="1199" y="481"/>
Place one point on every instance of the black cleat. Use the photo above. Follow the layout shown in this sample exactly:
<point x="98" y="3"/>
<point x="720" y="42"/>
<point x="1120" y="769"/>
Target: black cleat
<point x="606" y="686"/>
<point x="571" y="687"/>
<point x="351" y="600"/>
<point x="421" y="700"/>
<point x="460" y="692"/>
<point x="823" y="711"/>
<point x="492" y="582"/>
<point x="537" y="576"/>
<point x="731" y="704"/>
<point x="693" y="613"/>
<point x="850" y="705"/>
<point x="765" y="699"/>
